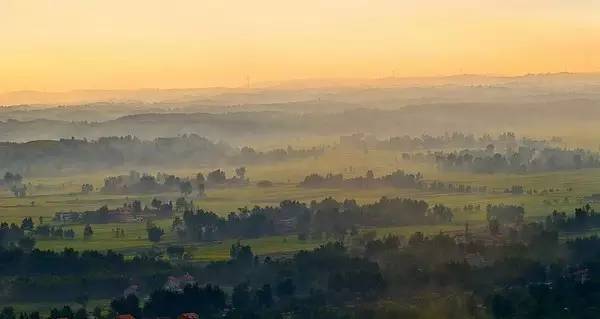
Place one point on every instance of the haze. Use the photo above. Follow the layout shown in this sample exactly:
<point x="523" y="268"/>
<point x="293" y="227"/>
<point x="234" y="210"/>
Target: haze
<point x="263" y="159"/>
<point x="66" y="45"/>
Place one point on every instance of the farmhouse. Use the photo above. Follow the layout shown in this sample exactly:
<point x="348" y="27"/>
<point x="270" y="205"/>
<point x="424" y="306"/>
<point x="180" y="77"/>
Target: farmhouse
<point x="188" y="315"/>
<point x="177" y="283"/>
<point x="67" y="217"/>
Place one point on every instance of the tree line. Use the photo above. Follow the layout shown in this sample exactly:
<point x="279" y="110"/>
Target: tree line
<point x="141" y="183"/>
<point x="14" y="182"/>
<point x="457" y="140"/>
<point x="530" y="275"/>
<point x="523" y="160"/>
<point x="44" y="275"/>
<point x="51" y="157"/>
<point x="397" y="179"/>
<point x="328" y="217"/>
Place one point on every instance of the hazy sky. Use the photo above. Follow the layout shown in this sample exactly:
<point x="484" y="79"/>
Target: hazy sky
<point x="104" y="44"/>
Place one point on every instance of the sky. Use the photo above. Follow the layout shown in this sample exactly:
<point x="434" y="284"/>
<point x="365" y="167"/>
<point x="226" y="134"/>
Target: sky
<point x="58" y="45"/>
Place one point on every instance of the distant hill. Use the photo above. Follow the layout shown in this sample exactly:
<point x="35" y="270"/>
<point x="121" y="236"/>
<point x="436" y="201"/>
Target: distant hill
<point x="293" y="90"/>
<point x="554" y="117"/>
<point x="545" y="104"/>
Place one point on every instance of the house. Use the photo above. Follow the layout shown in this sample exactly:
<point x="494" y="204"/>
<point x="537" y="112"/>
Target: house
<point x="67" y="217"/>
<point x="120" y="215"/>
<point x="188" y="315"/>
<point x="284" y="226"/>
<point x="593" y="199"/>
<point x="177" y="283"/>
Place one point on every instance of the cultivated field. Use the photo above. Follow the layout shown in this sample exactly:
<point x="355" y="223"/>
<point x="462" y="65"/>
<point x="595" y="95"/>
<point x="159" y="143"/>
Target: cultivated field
<point x="53" y="194"/>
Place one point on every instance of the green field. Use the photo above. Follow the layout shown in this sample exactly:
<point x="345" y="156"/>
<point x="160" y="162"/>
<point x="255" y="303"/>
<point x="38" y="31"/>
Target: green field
<point x="53" y="194"/>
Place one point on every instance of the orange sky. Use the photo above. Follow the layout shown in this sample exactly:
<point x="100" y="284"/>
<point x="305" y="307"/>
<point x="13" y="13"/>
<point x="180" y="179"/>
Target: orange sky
<point x="108" y="44"/>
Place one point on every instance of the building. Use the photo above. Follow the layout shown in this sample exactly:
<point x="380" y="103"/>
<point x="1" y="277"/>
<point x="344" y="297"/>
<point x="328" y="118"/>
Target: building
<point x="177" y="283"/>
<point x="593" y="199"/>
<point x="67" y="217"/>
<point x="284" y="226"/>
<point x="188" y="315"/>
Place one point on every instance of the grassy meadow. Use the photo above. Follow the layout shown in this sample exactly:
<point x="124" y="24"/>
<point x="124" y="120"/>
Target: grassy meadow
<point x="53" y="194"/>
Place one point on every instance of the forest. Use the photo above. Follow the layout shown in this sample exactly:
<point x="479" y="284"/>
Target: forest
<point x="70" y="156"/>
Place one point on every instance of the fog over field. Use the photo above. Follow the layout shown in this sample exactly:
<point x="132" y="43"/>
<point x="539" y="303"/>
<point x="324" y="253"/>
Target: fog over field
<point x="309" y="159"/>
<point x="568" y="103"/>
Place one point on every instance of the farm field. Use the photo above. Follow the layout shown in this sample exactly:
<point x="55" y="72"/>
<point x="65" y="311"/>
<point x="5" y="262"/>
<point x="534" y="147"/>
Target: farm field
<point x="54" y="194"/>
<point x="272" y="246"/>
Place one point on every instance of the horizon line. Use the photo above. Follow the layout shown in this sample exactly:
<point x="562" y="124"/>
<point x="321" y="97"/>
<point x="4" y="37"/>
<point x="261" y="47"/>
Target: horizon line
<point x="274" y="83"/>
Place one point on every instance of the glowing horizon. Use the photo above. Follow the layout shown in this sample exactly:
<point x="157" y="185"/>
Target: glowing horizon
<point x="70" y="44"/>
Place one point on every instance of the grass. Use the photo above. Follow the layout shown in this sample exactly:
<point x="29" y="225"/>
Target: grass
<point x="53" y="194"/>
<point x="44" y="307"/>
